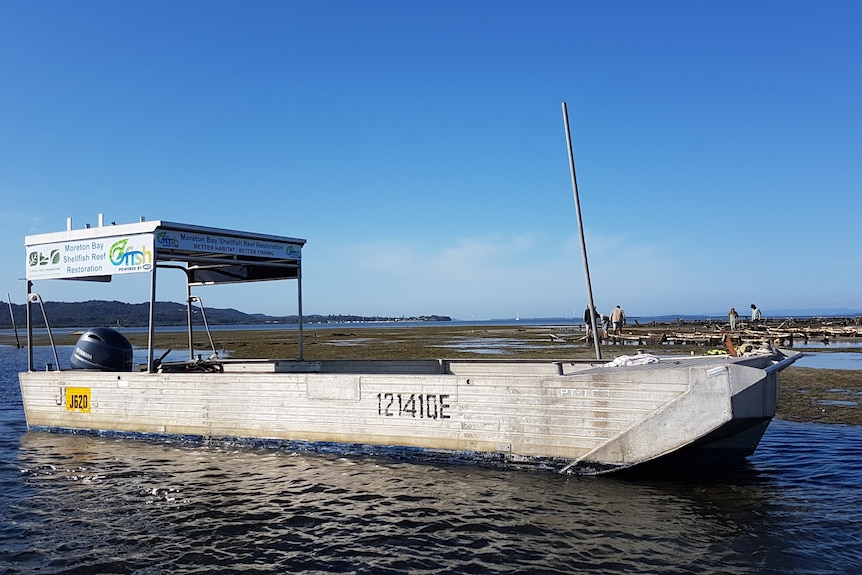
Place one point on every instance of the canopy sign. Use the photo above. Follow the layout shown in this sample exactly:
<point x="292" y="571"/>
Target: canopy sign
<point x="102" y="256"/>
<point x="194" y="241"/>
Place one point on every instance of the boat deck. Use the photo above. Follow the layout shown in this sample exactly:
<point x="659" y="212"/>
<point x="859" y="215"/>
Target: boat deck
<point x="515" y="367"/>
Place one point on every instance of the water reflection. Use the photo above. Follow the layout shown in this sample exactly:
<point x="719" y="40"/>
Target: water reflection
<point x="825" y="360"/>
<point x="496" y="345"/>
<point x="76" y="503"/>
<point x="829" y="344"/>
<point x="182" y="507"/>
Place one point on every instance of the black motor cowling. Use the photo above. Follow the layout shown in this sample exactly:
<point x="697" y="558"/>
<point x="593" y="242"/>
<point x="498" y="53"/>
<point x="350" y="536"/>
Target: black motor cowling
<point x="104" y="349"/>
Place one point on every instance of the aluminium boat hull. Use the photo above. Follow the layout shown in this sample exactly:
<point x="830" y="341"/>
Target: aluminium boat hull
<point x="569" y="416"/>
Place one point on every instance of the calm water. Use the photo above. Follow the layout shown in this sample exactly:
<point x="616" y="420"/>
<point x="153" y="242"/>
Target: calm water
<point x="81" y="504"/>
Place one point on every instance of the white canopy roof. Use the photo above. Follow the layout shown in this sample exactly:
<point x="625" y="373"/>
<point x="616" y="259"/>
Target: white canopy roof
<point x="207" y="255"/>
<point x="210" y="255"/>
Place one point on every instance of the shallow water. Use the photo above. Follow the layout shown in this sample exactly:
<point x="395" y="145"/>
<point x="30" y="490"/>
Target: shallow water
<point x="840" y="344"/>
<point x="84" y="504"/>
<point x="836" y="360"/>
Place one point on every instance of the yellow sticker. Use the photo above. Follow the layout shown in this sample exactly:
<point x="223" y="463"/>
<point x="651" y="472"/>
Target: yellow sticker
<point x="78" y="399"/>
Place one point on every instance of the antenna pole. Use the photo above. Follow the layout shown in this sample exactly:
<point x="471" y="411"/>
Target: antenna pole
<point x="581" y="231"/>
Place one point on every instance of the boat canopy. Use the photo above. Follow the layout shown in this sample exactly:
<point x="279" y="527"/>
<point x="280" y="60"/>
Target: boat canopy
<point x="206" y="255"/>
<point x="211" y="255"/>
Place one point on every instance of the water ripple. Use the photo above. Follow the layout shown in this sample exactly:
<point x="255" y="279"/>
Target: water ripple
<point x="83" y="504"/>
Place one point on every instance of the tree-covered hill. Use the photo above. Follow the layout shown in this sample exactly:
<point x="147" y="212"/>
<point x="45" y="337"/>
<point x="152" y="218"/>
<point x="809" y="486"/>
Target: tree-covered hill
<point x="96" y="313"/>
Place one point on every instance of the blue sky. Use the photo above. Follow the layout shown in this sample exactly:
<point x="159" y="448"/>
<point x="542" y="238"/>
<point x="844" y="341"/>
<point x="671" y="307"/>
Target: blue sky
<point x="419" y="147"/>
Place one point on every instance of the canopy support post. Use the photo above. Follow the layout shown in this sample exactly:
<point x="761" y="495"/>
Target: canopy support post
<point x="299" y="308"/>
<point x="151" y="336"/>
<point x="29" y="328"/>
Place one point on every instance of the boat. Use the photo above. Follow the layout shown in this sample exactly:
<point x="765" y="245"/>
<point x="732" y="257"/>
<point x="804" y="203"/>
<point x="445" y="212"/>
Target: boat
<point x="578" y="416"/>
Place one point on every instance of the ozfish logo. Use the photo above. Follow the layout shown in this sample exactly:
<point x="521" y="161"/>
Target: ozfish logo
<point x="166" y="240"/>
<point x="127" y="258"/>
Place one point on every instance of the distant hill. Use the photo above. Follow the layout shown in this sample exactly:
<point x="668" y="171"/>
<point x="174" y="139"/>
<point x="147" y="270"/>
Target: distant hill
<point x="97" y="313"/>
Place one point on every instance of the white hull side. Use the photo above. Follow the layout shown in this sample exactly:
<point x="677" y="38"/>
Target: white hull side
<point x="594" y="419"/>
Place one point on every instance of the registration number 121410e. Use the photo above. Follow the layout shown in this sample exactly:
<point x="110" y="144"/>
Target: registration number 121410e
<point x="419" y="405"/>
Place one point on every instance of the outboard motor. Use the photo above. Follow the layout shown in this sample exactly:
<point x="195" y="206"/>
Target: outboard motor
<point x="104" y="349"/>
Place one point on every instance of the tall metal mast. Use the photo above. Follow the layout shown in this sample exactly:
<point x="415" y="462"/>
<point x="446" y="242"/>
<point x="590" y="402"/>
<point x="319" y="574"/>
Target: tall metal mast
<point x="592" y="306"/>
